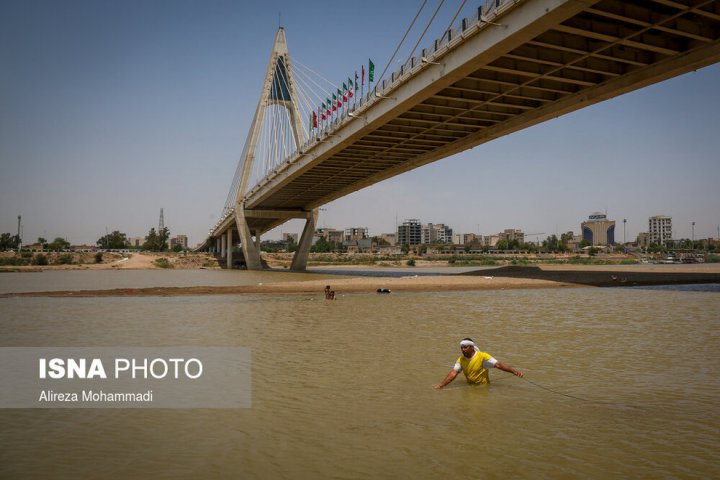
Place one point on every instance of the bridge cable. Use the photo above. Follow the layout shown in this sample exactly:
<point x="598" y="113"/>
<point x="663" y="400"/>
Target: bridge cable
<point x="403" y="40"/>
<point x="315" y="73"/>
<point x="428" y="26"/>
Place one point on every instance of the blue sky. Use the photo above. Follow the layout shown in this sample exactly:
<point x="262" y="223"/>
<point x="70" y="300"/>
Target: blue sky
<point x="112" y="110"/>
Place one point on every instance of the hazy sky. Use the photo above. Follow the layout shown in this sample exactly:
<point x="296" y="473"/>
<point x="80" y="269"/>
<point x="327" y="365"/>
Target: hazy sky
<point x="111" y="110"/>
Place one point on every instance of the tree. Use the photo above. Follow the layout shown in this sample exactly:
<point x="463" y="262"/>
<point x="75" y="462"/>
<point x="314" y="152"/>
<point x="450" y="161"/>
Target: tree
<point x="7" y="241"/>
<point x="157" y="241"/>
<point x="551" y="243"/>
<point x="58" y="244"/>
<point x="115" y="240"/>
<point x="502" y="244"/>
<point x="43" y="242"/>
<point x="379" y="241"/>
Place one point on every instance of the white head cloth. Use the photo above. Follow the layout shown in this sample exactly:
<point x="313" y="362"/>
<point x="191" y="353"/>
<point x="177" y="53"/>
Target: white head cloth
<point x="469" y="342"/>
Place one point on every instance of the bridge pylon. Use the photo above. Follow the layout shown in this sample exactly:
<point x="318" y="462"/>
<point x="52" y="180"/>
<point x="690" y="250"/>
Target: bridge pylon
<point x="278" y="89"/>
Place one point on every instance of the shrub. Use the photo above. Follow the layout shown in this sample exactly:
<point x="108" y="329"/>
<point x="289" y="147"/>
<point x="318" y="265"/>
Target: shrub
<point x="65" y="259"/>
<point x="163" y="262"/>
<point x="98" y="257"/>
<point x="40" y="259"/>
<point x="410" y="263"/>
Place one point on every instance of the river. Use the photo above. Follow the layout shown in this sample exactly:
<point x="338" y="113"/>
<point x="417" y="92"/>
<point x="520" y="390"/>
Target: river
<point x="620" y="383"/>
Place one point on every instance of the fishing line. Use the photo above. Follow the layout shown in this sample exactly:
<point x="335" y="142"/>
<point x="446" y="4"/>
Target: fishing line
<point x="555" y="392"/>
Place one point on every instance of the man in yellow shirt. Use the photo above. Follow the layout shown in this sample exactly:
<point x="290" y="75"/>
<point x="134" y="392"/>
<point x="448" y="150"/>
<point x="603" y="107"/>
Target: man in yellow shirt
<point x="475" y="365"/>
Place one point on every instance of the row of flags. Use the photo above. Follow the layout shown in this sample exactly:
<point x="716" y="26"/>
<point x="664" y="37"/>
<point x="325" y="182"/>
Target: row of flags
<point x="341" y="98"/>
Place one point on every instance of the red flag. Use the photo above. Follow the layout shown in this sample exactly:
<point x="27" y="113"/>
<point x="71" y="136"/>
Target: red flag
<point x="314" y="120"/>
<point x="362" y="77"/>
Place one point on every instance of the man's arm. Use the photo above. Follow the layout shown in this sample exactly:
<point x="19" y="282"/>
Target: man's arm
<point x="507" y="368"/>
<point x="450" y="377"/>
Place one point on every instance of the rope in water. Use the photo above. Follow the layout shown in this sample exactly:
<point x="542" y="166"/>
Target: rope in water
<point x="553" y="391"/>
<point x="505" y="377"/>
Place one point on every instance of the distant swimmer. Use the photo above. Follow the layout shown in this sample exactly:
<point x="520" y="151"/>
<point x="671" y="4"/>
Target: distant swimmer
<point x="327" y="292"/>
<point x="475" y="365"/>
<point x="383" y="290"/>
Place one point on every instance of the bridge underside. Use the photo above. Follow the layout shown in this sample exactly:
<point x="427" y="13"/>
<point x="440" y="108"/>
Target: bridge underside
<point x="538" y="65"/>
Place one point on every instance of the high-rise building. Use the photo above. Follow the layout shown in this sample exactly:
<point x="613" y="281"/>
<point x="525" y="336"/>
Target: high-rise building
<point x="598" y="230"/>
<point x="660" y="229"/>
<point x="181" y="240"/>
<point x="512" y="234"/>
<point x="436" y="233"/>
<point x="410" y="232"/>
<point x="329" y="234"/>
<point x="356" y="233"/>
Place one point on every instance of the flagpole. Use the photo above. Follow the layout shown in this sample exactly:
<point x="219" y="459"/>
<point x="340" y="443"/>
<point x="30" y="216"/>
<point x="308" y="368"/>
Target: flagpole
<point x="362" y="82"/>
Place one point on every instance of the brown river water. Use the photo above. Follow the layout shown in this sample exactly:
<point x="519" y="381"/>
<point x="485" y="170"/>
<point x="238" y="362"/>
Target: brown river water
<point x="625" y="383"/>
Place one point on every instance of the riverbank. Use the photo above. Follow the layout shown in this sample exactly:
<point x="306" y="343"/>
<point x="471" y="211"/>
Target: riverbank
<point x="347" y="281"/>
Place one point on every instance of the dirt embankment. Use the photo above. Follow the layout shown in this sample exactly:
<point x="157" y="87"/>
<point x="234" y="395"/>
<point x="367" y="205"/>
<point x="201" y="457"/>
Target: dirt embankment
<point x="490" y="279"/>
<point x="108" y="260"/>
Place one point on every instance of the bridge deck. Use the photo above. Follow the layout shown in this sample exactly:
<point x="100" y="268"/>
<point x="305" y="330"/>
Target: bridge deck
<point x="493" y="80"/>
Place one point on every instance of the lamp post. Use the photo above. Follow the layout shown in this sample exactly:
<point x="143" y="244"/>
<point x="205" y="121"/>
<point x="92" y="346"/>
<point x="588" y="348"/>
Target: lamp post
<point x="624" y="222"/>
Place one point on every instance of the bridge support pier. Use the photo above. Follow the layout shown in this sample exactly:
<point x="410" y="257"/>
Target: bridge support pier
<point x="250" y="248"/>
<point x="299" y="261"/>
<point x="228" y="248"/>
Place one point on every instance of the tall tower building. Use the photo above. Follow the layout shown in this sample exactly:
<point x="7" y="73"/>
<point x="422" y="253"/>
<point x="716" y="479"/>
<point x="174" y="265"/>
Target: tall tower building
<point x="598" y="230"/>
<point x="410" y="232"/>
<point x="660" y="229"/>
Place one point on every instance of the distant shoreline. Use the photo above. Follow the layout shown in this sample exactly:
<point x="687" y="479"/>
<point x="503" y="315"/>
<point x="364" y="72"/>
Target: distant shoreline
<point x="502" y="278"/>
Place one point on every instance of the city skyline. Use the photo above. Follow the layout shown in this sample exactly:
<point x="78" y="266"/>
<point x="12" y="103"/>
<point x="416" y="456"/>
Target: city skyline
<point x="113" y="111"/>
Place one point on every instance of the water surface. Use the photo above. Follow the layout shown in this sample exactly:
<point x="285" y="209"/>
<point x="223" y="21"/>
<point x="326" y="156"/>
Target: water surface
<point x="343" y="389"/>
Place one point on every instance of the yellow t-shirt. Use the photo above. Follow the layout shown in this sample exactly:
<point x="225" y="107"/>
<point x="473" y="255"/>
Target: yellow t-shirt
<point x="473" y="368"/>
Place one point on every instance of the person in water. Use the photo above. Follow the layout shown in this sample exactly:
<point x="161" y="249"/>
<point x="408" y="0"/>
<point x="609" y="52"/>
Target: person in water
<point x="475" y="365"/>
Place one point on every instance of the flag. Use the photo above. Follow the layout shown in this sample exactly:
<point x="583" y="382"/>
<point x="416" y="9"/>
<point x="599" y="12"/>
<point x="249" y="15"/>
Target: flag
<point x="356" y="81"/>
<point x="371" y="71"/>
<point x="322" y="112"/>
<point x="345" y="92"/>
<point x="350" y="90"/>
<point x="335" y="103"/>
<point x="314" y="120"/>
<point x="329" y="112"/>
<point x="339" y="98"/>
<point x="362" y="75"/>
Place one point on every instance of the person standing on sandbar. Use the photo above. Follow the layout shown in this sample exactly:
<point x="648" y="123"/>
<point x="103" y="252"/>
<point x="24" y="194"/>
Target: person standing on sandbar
<point x="475" y="365"/>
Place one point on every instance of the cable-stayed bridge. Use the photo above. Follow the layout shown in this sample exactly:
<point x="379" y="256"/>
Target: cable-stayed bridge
<point x="512" y="64"/>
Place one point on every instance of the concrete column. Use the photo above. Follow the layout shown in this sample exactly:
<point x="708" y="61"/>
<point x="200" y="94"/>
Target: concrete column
<point x="229" y="247"/>
<point x="299" y="262"/>
<point x="222" y="245"/>
<point x="250" y="252"/>
<point x="218" y="247"/>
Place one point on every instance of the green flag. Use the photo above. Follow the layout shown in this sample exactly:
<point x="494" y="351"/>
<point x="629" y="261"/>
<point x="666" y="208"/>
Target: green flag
<point x="371" y="71"/>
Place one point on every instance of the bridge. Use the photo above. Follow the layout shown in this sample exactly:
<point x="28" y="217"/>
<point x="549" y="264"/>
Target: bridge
<point x="513" y="64"/>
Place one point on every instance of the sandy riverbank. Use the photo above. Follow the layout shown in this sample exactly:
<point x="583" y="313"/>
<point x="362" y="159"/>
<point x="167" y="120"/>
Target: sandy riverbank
<point x="551" y="276"/>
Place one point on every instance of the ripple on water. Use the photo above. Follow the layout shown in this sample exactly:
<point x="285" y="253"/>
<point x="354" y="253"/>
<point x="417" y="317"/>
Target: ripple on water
<point x="344" y="389"/>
